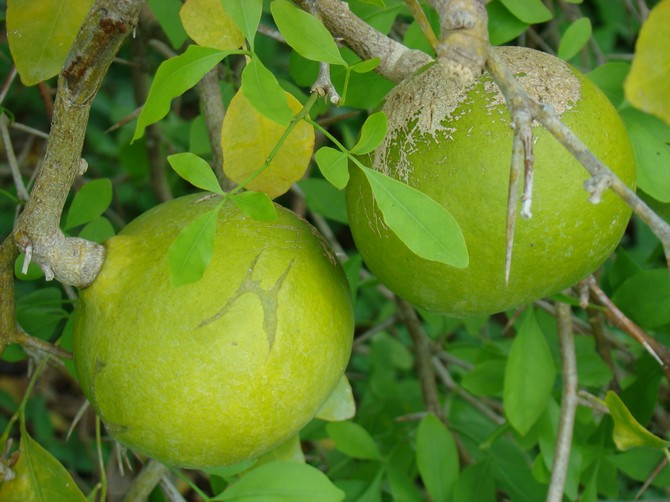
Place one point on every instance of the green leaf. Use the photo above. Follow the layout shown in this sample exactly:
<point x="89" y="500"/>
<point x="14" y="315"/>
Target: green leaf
<point x="40" y="34"/>
<point x="281" y="480"/>
<point x="528" y="11"/>
<point x="610" y="78"/>
<point x="89" y="203"/>
<point x="645" y="298"/>
<point x="503" y="25"/>
<point x="650" y="138"/>
<point x="192" y="249"/>
<point x="246" y="14"/>
<point x="425" y="226"/>
<point x="648" y="85"/>
<point x="628" y="433"/>
<point x="324" y="199"/>
<point x="40" y="477"/>
<point x="305" y="33"/>
<point x="372" y="134"/>
<point x="486" y="378"/>
<point x="258" y="205"/>
<point x="353" y="440"/>
<point x="173" y="78"/>
<point x="529" y="376"/>
<point x="365" y="66"/>
<point x="334" y="165"/>
<point x="476" y="482"/>
<point x="575" y="38"/>
<point x="264" y="93"/>
<point x="196" y="171"/>
<point x="167" y="14"/>
<point x="436" y="458"/>
<point x="98" y="230"/>
<point x="340" y="405"/>
<point x="34" y="271"/>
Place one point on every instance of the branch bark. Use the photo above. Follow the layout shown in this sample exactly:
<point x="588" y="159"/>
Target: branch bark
<point x="71" y="260"/>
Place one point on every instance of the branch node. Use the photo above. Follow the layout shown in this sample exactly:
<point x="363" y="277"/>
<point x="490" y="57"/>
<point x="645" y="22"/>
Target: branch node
<point x="83" y="167"/>
<point x="596" y="186"/>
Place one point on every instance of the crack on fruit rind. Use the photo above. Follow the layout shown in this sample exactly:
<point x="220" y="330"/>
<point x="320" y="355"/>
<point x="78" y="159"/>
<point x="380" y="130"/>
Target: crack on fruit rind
<point x="429" y="104"/>
<point x="268" y="298"/>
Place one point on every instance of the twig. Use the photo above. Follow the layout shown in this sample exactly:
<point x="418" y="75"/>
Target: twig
<point x="396" y="60"/>
<point x="568" y="404"/>
<point x="657" y="351"/>
<point x="8" y="83"/>
<point x="29" y="130"/>
<point x="420" y="17"/>
<point x="324" y="87"/>
<point x="11" y="159"/>
<point x="146" y="481"/>
<point x="422" y="357"/>
<point x="8" y="330"/>
<point x="32" y="342"/>
<point x="71" y="260"/>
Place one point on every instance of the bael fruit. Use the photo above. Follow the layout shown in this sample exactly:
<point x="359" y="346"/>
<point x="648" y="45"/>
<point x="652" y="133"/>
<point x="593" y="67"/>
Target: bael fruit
<point x="453" y="141"/>
<point x="224" y="369"/>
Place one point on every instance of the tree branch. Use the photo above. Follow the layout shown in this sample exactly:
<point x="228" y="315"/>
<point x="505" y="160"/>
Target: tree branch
<point x="8" y="331"/>
<point x="72" y="261"/>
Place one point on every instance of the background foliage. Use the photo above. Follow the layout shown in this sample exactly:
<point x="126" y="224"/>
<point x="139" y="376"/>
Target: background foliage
<point x="498" y="377"/>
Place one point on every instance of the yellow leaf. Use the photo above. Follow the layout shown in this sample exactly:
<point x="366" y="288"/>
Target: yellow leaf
<point x="208" y="25"/>
<point x="40" y="35"/>
<point x="648" y="83"/>
<point x="248" y="138"/>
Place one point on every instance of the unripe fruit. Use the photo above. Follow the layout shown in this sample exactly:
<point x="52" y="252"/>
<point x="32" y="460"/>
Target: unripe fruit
<point x="453" y="141"/>
<point x="224" y="369"/>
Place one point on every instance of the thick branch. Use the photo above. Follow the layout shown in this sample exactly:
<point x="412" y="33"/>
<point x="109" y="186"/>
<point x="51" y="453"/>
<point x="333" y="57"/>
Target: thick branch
<point x="396" y="60"/>
<point x="8" y="331"/>
<point x="70" y="260"/>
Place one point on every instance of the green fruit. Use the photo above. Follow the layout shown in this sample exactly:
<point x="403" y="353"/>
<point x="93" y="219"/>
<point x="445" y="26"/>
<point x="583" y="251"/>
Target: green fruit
<point x="453" y="141"/>
<point x="224" y="369"/>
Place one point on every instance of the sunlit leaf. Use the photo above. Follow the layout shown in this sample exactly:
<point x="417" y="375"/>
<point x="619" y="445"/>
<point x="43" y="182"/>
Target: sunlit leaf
<point x="628" y="433"/>
<point x="40" y="35"/>
<point x="191" y="251"/>
<point x="365" y="66"/>
<point x="648" y="83"/>
<point x="196" y="171"/>
<point x="89" y="202"/>
<point x="353" y="440"/>
<point x="248" y="138"/>
<point x="246" y="14"/>
<point x="425" y="226"/>
<point x="173" y="78"/>
<point x="334" y="165"/>
<point x="529" y="376"/>
<point x="372" y="134"/>
<point x="575" y="38"/>
<point x="208" y="24"/>
<point x="436" y="457"/>
<point x="264" y="93"/>
<point x="256" y="204"/>
<point x="39" y="476"/>
<point x="305" y="33"/>
<point x="282" y="480"/>
<point x="340" y="405"/>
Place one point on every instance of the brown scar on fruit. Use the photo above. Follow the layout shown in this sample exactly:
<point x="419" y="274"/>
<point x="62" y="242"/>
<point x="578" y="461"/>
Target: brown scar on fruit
<point x="268" y="298"/>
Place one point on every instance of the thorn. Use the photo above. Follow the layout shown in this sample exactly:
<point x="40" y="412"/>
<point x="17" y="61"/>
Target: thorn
<point x="27" y="259"/>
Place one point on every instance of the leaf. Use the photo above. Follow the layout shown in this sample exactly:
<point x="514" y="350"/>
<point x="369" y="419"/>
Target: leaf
<point x="353" y="440"/>
<point x="648" y="86"/>
<point x="575" y="38"/>
<point x="486" y="378"/>
<point x="282" y="480"/>
<point x="40" y="477"/>
<point x="89" y="203"/>
<point x="365" y="66"/>
<point x="436" y="458"/>
<point x="305" y="33"/>
<point x="476" y="482"/>
<point x="503" y="25"/>
<point x="246" y="14"/>
<point x="528" y="11"/>
<point x="628" y="433"/>
<point x="650" y="137"/>
<point x="340" y="405"/>
<point x="334" y="165"/>
<point x="529" y="376"/>
<point x="167" y="14"/>
<point x="191" y="251"/>
<point x="98" y="230"/>
<point x="40" y="35"/>
<point x="248" y="138"/>
<point x="208" y="24"/>
<point x="256" y="204"/>
<point x="610" y="78"/>
<point x="372" y="134"/>
<point x="324" y="199"/>
<point x="196" y="171"/>
<point x="264" y="93"/>
<point x="645" y="298"/>
<point x="425" y="226"/>
<point x="290" y="450"/>
<point x="173" y="78"/>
